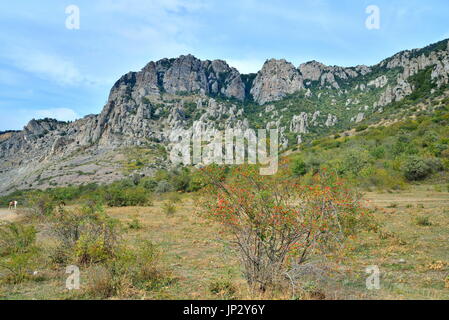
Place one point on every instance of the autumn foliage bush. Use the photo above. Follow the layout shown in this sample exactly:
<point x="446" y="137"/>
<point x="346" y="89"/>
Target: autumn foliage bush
<point x="278" y="221"/>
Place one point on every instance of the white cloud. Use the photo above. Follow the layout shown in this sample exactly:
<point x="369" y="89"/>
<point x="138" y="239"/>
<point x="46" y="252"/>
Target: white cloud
<point x="62" y="114"/>
<point x="154" y="29"/>
<point x="47" y="66"/>
<point x="245" y="66"/>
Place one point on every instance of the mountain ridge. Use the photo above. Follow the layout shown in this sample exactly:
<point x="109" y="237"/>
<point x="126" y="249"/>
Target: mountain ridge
<point x="146" y="108"/>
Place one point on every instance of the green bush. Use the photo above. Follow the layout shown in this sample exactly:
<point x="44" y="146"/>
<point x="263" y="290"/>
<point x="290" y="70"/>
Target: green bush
<point x="16" y="238"/>
<point x="18" y="267"/>
<point x="299" y="167"/>
<point x="423" y="221"/>
<point x="416" y="169"/>
<point x="223" y="288"/>
<point x="41" y="204"/>
<point x="181" y="179"/>
<point x="148" y="183"/>
<point x="135" y="224"/>
<point x="87" y="234"/>
<point x="118" y="196"/>
<point x="378" y="152"/>
<point x="354" y="161"/>
<point x="164" y="186"/>
<point x="434" y="164"/>
<point x="129" y="270"/>
<point x="18" y="252"/>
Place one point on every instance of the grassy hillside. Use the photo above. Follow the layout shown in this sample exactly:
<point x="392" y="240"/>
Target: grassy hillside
<point x="384" y="157"/>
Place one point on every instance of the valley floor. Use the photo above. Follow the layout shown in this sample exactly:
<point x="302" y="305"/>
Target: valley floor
<point x="410" y="250"/>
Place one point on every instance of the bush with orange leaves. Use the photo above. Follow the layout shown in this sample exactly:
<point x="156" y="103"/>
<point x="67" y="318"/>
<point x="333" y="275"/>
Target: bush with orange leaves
<point x="278" y="221"/>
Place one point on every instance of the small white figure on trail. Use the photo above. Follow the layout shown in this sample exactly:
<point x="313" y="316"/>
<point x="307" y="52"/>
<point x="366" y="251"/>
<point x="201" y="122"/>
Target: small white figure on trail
<point x="15" y="205"/>
<point x="11" y="204"/>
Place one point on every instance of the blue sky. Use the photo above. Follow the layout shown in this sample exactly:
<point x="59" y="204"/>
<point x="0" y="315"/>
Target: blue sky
<point x="47" y="70"/>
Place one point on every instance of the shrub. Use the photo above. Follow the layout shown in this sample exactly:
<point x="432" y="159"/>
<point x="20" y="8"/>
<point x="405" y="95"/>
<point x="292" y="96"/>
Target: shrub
<point x="299" y="167"/>
<point x="429" y="138"/>
<point x="196" y="183"/>
<point x="416" y="169"/>
<point x="148" y="184"/>
<point x="18" y="267"/>
<point x="423" y="221"/>
<point x="101" y="284"/>
<point x="91" y="248"/>
<point x="354" y="161"/>
<point x="434" y="164"/>
<point x="181" y="179"/>
<point x="378" y="152"/>
<point x="41" y="204"/>
<point x="169" y="208"/>
<point x="135" y="224"/>
<point x="119" y="196"/>
<point x="223" y="288"/>
<point x="314" y="162"/>
<point x="88" y="234"/>
<point x="445" y="153"/>
<point x="129" y="270"/>
<point x="163" y="186"/>
<point x="16" y="238"/>
<point x="273" y="218"/>
<point x="17" y="246"/>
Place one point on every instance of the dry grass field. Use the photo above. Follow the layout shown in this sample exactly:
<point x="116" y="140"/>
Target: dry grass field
<point x="410" y="249"/>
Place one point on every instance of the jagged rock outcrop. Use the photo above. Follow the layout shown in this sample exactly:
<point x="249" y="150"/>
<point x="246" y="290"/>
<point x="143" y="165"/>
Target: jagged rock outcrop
<point x="331" y="120"/>
<point x="185" y="74"/>
<point x="379" y="82"/>
<point x="299" y="123"/>
<point x="327" y="75"/>
<point x="396" y="93"/>
<point x="279" y="78"/>
<point x="276" y="79"/>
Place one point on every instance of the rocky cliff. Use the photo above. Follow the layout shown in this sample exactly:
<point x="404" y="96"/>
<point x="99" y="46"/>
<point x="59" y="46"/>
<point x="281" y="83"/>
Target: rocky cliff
<point x="146" y="108"/>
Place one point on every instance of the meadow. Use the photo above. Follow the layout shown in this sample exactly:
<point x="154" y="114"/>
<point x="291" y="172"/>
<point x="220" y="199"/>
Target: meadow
<point x="410" y="249"/>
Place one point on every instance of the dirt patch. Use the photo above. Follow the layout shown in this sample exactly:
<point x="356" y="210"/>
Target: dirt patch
<point x="7" y="215"/>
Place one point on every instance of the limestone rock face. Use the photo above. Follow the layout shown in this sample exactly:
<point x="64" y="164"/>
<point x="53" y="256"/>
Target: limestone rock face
<point x="327" y="75"/>
<point x="312" y="70"/>
<point x="396" y="93"/>
<point x="189" y="74"/>
<point x="379" y="82"/>
<point x="331" y="120"/>
<point x="276" y="79"/>
<point x="299" y="123"/>
<point x="186" y="74"/>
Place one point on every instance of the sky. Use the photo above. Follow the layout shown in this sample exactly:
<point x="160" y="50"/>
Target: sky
<point x="51" y="66"/>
